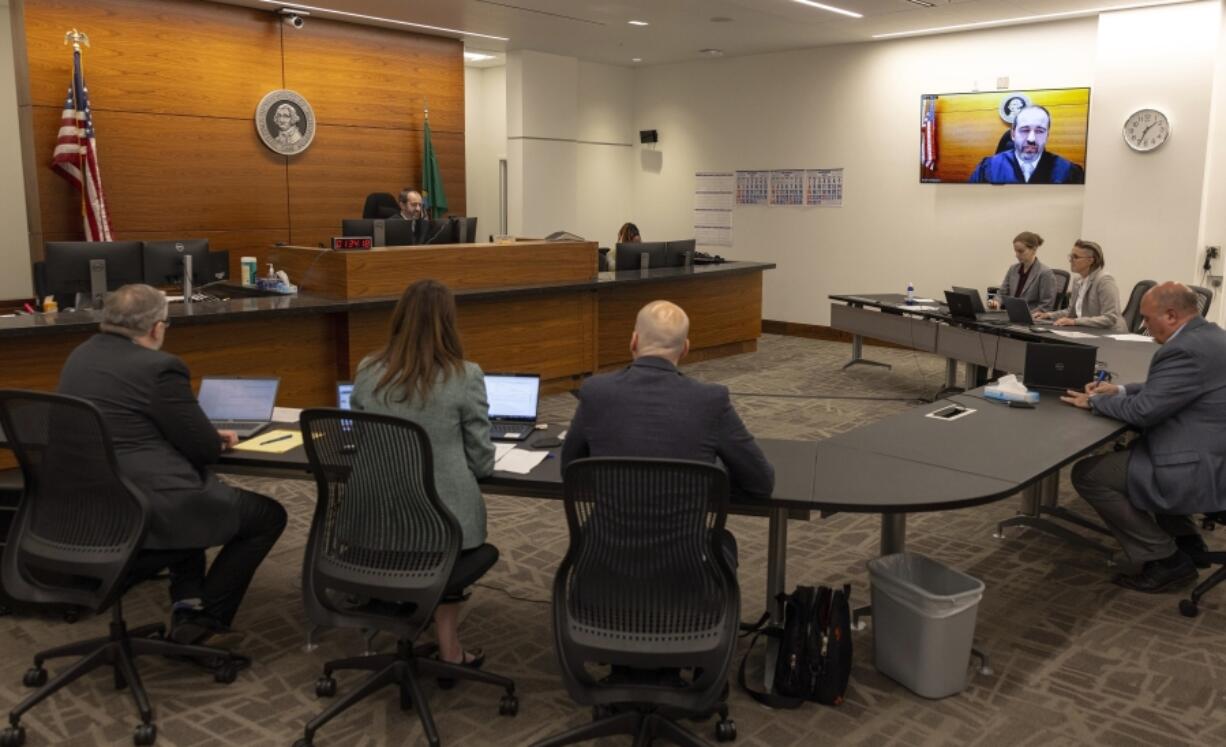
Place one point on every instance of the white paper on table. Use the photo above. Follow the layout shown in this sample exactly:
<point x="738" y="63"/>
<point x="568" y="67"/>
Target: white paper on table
<point x="519" y="461"/>
<point x="914" y="307"/>
<point x="925" y="300"/>
<point x="1131" y="338"/>
<point x="501" y="449"/>
<point x="286" y="414"/>
<point x="1070" y="333"/>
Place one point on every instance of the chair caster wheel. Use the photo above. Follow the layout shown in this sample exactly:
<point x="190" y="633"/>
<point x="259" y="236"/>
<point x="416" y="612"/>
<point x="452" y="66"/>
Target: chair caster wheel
<point x="1188" y="608"/>
<point x="304" y="743"/>
<point x="325" y="687"/>
<point x="14" y="736"/>
<point x="225" y="673"/>
<point x="72" y="615"/>
<point x="34" y="677"/>
<point x="145" y="734"/>
<point x="508" y="706"/>
<point x="725" y="730"/>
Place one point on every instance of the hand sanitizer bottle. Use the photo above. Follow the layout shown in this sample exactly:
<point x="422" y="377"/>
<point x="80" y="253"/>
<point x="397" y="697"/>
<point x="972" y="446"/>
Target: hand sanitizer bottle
<point x="910" y="292"/>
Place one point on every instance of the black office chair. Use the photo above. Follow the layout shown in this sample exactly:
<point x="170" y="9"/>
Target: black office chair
<point x="645" y="584"/>
<point x="1189" y="607"/>
<point x="1132" y="311"/>
<point x="73" y="540"/>
<point x="10" y="498"/>
<point x="1062" y="281"/>
<point x="383" y="552"/>
<point x="380" y="205"/>
<point x="1204" y="297"/>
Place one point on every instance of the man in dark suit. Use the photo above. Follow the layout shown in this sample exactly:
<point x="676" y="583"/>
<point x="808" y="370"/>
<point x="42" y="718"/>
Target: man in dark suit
<point x="164" y="444"/>
<point x="1177" y="467"/>
<point x="650" y="409"/>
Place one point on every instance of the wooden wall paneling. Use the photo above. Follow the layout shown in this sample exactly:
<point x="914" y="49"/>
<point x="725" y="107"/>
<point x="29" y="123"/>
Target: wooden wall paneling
<point x="178" y="57"/>
<point x="722" y="310"/>
<point x="375" y="77"/>
<point x="164" y="173"/>
<point x="320" y="272"/>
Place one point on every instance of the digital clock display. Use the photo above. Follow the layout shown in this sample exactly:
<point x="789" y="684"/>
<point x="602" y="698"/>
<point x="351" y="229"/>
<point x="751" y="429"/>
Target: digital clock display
<point x="352" y="242"/>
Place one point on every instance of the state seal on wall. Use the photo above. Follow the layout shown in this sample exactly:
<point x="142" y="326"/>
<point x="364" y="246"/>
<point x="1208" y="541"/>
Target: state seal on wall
<point x="285" y="122"/>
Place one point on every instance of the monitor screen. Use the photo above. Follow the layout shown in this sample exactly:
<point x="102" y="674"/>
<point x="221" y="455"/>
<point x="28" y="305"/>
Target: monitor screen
<point x="677" y="250"/>
<point x="344" y="390"/>
<point x="628" y="255"/>
<point x="163" y="261"/>
<point x="1005" y="137"/>
<point x="513" y="396"/>
<point x="224" y="398"/>
<point x="66" y="266"/>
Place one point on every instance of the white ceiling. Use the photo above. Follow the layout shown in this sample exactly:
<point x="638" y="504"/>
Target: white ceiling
<point x="596" y="30"/>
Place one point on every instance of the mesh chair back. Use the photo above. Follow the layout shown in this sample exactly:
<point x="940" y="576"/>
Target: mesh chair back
<point x="644" y="582"/>
<point x="380" y="529"/>
<point x="1132" y="311"/>
<point x="1204" y="298"/>
<point x="80" y="522"/>
<point x="1062" y="281"/>
<point x="379" y="205"/>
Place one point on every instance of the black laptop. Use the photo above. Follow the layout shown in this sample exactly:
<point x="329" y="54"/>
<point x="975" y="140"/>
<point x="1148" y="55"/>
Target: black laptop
<point x="976" y="301"/>
<point x="1019" y="312"/>
<point x="1055" y="367"/>
<point x="961" y="306"/>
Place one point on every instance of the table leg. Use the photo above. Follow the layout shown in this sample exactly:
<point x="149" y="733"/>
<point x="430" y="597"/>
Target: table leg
<point x="951" y="381"/>
<point x="857" y="350"/>
<point x="893" y="539"/>
<point x="776" y="579"/>
<point x="1042" y="498"/>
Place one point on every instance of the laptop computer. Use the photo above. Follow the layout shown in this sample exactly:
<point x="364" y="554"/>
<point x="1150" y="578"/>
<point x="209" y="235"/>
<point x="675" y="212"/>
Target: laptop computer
<point x="976" y="300"/>
<point x="1055" y="367"/>
<point x="237" y="404"/>
<point x="344" y="390"/>
<point x="1019" y="312"/>
<point x="513" y="402"/>
<point x="962" y="307"/>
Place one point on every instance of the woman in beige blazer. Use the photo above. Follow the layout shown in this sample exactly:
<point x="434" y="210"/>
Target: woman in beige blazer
<point x="421" y="375"/>
<point x="1094" y="298"/>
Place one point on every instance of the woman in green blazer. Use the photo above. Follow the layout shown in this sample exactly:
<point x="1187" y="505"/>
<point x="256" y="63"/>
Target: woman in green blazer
<point x="421" y="375"/>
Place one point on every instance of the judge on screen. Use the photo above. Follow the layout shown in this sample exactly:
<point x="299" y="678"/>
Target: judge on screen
<point x="1028" y="162"/>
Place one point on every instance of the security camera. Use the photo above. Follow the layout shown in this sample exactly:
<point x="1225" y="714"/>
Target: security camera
<point x="294" y="17"/>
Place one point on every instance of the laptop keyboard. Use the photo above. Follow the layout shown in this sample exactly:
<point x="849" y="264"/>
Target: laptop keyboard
<point x="235" y="425"/>
<point x="505" y="430"/>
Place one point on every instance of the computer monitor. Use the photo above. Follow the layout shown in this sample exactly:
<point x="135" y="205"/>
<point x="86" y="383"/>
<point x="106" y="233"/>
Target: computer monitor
<point x="465" y="229"/>
<point x="677" y="251"/>
<point x="628" y="255"/>
<point x="396" y="231"/>
<point x="438" y="231"/>
<point x="72" y="267"/>
<point x="163" y="261"/>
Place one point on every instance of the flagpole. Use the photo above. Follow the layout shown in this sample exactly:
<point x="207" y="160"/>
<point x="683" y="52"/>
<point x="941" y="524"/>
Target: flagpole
<point x="76" y="39"/>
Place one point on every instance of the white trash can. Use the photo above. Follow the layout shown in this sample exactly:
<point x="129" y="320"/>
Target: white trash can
<point x="923" y="622"/>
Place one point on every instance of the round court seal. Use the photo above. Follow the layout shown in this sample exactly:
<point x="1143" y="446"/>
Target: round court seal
<point x="1012" y="104"/>
<point x="285" y="121"/>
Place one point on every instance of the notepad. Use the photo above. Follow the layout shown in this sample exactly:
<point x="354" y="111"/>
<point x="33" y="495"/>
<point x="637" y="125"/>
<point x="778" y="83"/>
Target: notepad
<point x="501" y="449"/>
<point x="1132" y="338"/>
<point x="519" y="461"/>
<point x="286" y="414"/>
<point x="272" y="442"/>
<point x="1070" y="333"/>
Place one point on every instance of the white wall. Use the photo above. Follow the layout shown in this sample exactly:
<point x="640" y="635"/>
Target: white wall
<point x="855" y="107"/>
<point x="1145" y="208"/>
<point x="1213" y="216"/>
<point x="485" y="142"/>
<point x="15" y="280"/>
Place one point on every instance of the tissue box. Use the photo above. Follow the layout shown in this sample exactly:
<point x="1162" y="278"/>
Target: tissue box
<point x="1001" y="395"/>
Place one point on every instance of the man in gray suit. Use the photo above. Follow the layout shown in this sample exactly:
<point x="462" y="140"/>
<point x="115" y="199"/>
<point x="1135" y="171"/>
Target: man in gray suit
<point x="164" y="444"/>
<point x="1177" y="467"/>
<point x="650" y="409"/>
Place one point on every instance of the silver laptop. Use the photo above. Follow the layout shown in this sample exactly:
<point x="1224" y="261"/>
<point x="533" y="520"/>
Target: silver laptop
<point x="513" y="404"/>
<point x="238" y="404"/>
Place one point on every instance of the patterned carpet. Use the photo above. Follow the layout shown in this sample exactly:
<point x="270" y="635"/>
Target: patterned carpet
<point x="1077" y="660"/>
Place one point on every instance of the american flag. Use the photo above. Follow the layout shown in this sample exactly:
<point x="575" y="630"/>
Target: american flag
<point x="76" y="156"/>
<point x="928" y="134"/>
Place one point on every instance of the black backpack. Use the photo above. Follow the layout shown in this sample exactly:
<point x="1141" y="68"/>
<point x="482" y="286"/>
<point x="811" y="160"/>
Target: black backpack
<point x="814" y="659"/>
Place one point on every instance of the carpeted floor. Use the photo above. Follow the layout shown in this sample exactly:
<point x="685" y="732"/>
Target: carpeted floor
<point x="1077" y="660"/>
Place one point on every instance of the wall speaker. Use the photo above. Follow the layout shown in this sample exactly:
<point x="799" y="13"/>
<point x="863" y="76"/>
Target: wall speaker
<point x="648" y="136"/>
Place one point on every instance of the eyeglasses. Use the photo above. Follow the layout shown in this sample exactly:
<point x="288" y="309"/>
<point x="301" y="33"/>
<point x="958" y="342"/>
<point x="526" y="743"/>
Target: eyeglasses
<point x="165" y="323"/>
<point x="1074" y="258"/>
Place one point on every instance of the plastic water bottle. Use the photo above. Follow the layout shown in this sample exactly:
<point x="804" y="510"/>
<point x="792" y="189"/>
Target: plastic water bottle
<point x="910" y="292"/>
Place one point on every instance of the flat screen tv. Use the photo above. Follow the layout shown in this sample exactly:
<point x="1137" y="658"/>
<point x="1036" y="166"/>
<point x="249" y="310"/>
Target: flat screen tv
<point x="1005" y="137"/>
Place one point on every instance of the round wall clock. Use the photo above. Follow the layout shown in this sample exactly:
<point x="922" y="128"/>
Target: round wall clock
<point x="1146" y="129"/>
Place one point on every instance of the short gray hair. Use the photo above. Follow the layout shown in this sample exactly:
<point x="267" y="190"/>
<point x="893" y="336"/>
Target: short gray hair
<point x="133" y="310"/>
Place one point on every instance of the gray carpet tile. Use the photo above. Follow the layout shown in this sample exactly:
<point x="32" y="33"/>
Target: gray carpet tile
<point x="1077" y="661"/>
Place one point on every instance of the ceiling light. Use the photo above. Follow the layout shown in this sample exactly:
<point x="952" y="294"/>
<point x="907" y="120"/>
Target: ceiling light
<point x="347" y="14"/>
<point x="922" y="3"/>
<point x="636" y="59"/>
<point x="637" y="23"/>
<point x="831" y="8"/>
<point x="1022" y="19"/>
<point x="712" y="52"/>
<point x="477" y="57"/>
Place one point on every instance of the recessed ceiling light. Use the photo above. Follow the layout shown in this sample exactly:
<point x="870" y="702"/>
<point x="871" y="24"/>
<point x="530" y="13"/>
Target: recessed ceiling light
<point x="636" y="59"/>
<point x="477" y="56"/>
<point x="712" y="52"/>
<point x="380" y="19"/>
<point x="831" y="8"/>
<point x="721" y="19"/>
<point x="1022" y="19"/>
<point x="637" y="23"/>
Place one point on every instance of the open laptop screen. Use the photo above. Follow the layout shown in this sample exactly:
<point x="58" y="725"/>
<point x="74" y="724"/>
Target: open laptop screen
<point x="513" y="396"/>
<point x="344" y="390"/>
<point x="238" y="399"/>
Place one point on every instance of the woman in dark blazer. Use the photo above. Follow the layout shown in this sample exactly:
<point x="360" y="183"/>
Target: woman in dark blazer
<point x="421" y="375"/>
<point x="1029" y="279"/>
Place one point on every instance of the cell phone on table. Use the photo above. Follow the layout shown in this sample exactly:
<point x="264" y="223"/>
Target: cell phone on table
<point x="952" y="412"/>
